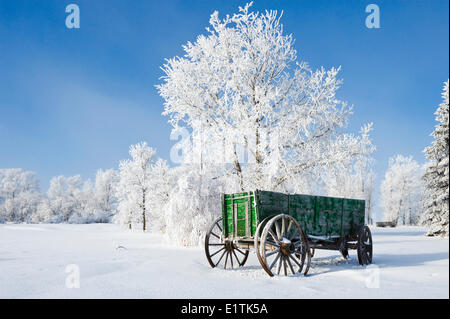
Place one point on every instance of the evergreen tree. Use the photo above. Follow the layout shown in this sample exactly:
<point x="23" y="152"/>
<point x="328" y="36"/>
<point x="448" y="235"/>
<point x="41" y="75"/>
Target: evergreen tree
<point x="436" y="176"/>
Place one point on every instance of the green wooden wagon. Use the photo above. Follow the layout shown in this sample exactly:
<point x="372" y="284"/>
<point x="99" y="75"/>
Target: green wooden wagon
<point x="285" y="230"/>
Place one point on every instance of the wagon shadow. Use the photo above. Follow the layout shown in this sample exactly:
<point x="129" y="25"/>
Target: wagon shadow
<point x="322" y="265"/>
<point x="401" y="233"/>
<point x="396" y="260"/>
<point x="255" y="267"/>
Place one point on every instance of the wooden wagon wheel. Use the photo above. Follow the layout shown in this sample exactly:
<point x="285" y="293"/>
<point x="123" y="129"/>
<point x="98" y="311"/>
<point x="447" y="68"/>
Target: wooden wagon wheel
<point x="216" y="248"/>
<point x="284" y="244"/>
<point x="365" y="245"/>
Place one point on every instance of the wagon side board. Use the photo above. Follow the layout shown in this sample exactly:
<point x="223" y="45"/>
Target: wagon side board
<point x="319" y="216"/>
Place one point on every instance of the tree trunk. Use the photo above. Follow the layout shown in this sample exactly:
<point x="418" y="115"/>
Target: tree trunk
<point x="143" y="212"/>
<point x="238" y="169"/>
<point x="258" y="157"/>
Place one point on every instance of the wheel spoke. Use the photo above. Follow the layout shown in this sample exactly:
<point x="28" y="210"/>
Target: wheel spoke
<point x="298" y="243"/>
<point x="272" y="252"/>
<point x="219" y="226"/>
<point x="284" y="266"/>
<point x="271" y="242"/>
<point x="215" y="235"/>
<point x="226" y="259"/>
<point x="217" y="251"/>
<point x="216" y="244"/>
<point x="240" y="251"/>
<point x="231" y="260"/>
<point x="295" y="260"/>
<point x="289" y="227"/>
<point x="283" y="227"/>
<point x="221" y="258"/>
<point x="277" y="230"/>
<point x="279" y="264"/>
<point x="274" y="236"/>
<point x="235" y="256"/>
<point x="290" y="265"/>
<point x="274" y="261"/>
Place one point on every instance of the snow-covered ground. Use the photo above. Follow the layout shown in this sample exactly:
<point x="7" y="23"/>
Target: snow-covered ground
<point x="33" y="261"/>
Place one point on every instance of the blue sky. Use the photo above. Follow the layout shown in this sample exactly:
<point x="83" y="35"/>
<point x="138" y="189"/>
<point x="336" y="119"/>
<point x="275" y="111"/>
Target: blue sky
<point x="73" y="100"/>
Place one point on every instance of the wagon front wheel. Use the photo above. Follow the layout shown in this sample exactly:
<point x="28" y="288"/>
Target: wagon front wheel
<point x="284" y="247"/>
<point x="365" y="246"/>
<point x="221" y="252"/>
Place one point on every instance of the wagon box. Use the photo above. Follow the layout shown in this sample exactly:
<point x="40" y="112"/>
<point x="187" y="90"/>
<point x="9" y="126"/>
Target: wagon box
<point x="317" y="215"/>
<point x="287" y="227"/>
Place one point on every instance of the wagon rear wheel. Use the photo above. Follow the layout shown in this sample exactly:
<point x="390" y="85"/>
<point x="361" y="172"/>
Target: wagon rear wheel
<point x="365" y="246"/>
<point x="284" y="245"/>
<point x="221" y="252"/>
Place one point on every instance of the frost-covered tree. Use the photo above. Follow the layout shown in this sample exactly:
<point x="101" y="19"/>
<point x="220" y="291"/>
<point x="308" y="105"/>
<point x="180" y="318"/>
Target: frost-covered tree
<point x="105" y="199"/>
<point x="244" y="87"/>
<point x="72" y="200"/>
<point x="436" y="215"/>
<point x="401" y="190"/>
<point x="19" y="195"/>
<point x="193" y="205"/>
<point x="354" y="178"/>
<point x="63" y="202"/>
<point x="161" y="184"/>
<point x="134" y="185"/>
<point x="259" y="117"/>
<point x="83" y="199"/>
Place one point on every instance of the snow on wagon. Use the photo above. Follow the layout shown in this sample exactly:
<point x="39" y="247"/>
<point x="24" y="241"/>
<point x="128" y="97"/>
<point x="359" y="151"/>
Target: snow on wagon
<point x="285" y="229"/>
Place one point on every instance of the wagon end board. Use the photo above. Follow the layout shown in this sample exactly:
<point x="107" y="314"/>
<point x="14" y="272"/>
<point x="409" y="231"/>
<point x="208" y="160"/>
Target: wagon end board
<point x="239" y="214"/>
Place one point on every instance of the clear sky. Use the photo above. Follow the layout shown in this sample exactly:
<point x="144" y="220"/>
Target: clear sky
<point x="73" y="100"/>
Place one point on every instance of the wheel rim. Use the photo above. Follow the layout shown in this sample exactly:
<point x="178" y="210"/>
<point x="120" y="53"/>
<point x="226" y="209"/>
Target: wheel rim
<point x="258" y="235"/>
<point x="220" y="252"/>
<point x="284" y="247"/>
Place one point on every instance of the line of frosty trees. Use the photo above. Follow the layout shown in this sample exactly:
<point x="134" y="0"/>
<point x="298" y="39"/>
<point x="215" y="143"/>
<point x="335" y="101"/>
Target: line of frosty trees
<point x="251" y="116"/>
<point x="411" y="193"/>
<point x="130" y="195"/>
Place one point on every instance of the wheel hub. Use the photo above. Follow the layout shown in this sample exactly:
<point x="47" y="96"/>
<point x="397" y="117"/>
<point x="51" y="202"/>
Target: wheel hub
<point x="229" y="245"/>
<point x="287" y="247"/>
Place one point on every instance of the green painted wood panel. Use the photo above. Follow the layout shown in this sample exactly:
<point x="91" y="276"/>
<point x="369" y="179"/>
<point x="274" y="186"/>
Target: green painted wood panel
<point x="303" y="210"/>
<point x="317" y="215"/>
<point x="234" y="207"/>
<point x="328" y="213"/>
<point x="353" y="216"/>
<point x="272" y="203"/>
